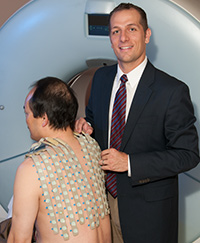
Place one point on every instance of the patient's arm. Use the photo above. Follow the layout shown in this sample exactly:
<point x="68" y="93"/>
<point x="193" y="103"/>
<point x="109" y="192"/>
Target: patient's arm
<point x="25" y="203"/>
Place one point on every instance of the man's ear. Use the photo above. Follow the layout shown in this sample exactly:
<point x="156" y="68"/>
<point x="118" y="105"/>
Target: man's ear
<point x="45" y="120"/>
<point x="148" y="35"/>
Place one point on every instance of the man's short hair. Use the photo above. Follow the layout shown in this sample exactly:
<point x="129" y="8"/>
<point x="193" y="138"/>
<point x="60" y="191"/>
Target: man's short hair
<point x="127" y="6"/>
<point x="55" y="98"/>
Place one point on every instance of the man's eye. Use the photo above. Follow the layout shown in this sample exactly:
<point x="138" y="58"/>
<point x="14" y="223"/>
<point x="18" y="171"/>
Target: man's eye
<point x="115" y="32"/>
<point x="132" y="29"/>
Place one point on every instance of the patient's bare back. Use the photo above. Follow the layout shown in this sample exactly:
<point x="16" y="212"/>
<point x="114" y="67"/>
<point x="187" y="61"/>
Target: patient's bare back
<point x="73" y="205"/>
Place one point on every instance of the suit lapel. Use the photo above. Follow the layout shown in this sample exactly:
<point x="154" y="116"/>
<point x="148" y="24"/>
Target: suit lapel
<point x="110" y="76"/>
<point x="140" y="100"/>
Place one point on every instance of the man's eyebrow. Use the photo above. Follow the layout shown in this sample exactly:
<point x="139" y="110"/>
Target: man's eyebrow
<point x="131" y="24"/>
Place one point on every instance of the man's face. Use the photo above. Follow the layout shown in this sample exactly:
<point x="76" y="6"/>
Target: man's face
<point x="34" y="124"/>
<point x="128" y="38"/>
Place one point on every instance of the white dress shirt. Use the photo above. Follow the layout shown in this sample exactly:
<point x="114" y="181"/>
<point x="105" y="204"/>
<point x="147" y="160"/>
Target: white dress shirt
<point x="131" y="86"/>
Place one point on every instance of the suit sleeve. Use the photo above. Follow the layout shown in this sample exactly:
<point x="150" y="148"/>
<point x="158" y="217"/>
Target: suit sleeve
<point x="180" y="151"/>
<point x="89" y="113"/>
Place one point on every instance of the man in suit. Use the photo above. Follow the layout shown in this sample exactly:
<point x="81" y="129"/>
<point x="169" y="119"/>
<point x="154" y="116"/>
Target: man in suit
<point x="159" y="139"/>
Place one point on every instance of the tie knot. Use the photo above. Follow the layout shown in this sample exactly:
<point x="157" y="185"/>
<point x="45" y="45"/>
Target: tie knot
<point x="124" y="78"/>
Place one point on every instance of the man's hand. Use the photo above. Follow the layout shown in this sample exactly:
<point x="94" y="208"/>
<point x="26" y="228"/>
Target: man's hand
<point x="114" y="160"/>
<point x="81" y="125"/>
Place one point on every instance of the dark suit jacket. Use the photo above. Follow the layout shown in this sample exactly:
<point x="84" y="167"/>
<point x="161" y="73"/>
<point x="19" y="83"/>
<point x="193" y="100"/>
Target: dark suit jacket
<point x="161" y="140"/>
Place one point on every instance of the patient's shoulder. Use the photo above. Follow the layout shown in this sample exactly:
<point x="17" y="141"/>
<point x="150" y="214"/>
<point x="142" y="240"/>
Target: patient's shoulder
<point x="26" y="175"/>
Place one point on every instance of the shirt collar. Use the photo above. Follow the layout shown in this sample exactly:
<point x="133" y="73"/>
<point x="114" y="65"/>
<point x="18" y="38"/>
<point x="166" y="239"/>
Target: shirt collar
<point x="134" y="75"/>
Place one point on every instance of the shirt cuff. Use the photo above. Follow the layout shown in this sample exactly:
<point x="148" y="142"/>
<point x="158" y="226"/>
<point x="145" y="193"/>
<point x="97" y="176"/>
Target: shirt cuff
<point x="129" y="167"/>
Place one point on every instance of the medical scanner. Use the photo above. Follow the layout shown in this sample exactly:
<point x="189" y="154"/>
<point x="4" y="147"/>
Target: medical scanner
<point x="69" y="39"/>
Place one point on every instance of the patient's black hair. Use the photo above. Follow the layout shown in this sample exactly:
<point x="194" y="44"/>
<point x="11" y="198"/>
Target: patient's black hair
<point x="55" y="98"/>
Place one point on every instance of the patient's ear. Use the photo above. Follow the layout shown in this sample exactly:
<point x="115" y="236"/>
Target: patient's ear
<point x="45" y="120"/>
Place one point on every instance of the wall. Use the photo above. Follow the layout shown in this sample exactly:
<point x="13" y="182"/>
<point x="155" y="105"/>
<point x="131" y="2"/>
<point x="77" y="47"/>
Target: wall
<point x="8" y="8"/>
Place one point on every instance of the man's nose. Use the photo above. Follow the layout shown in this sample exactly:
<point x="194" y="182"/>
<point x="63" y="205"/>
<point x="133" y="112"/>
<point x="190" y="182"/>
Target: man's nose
<point x="124" y="36"/>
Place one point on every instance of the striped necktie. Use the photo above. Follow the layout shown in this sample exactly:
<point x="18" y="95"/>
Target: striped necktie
<point x="117" y="128"/>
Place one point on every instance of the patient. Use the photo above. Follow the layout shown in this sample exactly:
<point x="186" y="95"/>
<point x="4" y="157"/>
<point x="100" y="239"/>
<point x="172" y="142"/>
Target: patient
<point x="59" y="188"/>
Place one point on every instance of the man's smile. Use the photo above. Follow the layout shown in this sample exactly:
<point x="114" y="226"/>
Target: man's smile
<point x="125" y="47"/>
